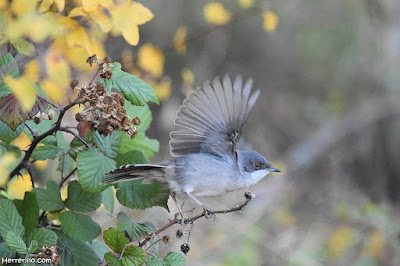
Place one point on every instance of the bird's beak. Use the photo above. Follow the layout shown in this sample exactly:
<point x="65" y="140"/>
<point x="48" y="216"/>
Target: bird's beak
<point x="274" y="170"/>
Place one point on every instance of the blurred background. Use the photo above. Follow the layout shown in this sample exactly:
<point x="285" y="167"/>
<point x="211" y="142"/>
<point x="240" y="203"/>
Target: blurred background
<point x="328" y="117"/>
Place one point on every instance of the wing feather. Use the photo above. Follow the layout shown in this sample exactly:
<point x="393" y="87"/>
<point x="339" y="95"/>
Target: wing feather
<point x="213" y="116"/>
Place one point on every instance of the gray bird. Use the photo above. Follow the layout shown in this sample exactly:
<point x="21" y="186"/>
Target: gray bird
<point x="209" y="161"/>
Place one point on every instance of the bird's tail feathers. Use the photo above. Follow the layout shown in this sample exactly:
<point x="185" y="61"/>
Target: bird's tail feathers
<point x="133" y="171"/>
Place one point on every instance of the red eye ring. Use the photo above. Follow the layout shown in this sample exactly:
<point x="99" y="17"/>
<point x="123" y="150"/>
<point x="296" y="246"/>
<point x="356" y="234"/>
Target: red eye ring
<point x="257" y="165"/>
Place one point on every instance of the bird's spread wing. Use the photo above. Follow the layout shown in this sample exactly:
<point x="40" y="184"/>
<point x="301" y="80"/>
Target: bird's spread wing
<point x="213" y="116"/>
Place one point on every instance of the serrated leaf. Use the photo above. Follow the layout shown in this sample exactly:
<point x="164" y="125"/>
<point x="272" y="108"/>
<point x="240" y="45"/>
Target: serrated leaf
<point x="81" y="201"/>
<point x="5" y="252"/>
<point x="61" y="142"/>
<point x="15" y="242"/>
<point x="8" y="66"/>
<point x="109" y="145"/>
<point x="174" y="259"/>
<point x="29" y="210"/>
<point x="134" y="194"/>
<point x="45" y="152"/>
<point x="133" y="256"/>
<point x="9" y="148"/>
<point x="79" y="226"/>
<point x="149" y="147"/>
<point x="33" y="246"/>
<point x="92" y="165"/>
<point x="99" y="248"/>
<point x="10" y="220"/>
<point x="7" y="134"/>
<point x="76" y="253"/>
<point x="134" y="229"/>
<point x="49" y="199"/>
<point x="134" y="89"/>
<point x="108" y="198"/>
<point x="12" y="112"/>
<point x="23" y="46"/>
<point x="131" y="157"/>
<point x="115" y="239"/>
<point x="154" y="261"/>
<point x="42" y="236"/>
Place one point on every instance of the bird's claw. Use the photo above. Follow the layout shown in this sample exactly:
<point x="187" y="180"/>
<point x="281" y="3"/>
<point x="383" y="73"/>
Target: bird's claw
<point x="207" y="213"/>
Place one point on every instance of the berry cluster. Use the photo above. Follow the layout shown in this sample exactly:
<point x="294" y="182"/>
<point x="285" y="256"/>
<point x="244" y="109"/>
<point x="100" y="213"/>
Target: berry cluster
<point x="104" y="111"/>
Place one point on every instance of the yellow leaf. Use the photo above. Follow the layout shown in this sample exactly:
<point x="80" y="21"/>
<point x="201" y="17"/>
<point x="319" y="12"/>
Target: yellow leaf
<point x="79" y="38"/>
<point x="127" y="60"/>
<point x="162" y="88"/>
<point x="57" y="68"/>
<point x="151" y="59"/>
<point x="216" y="14"/>
<point x="52" y="90"/>
<point x="284" y="217"/>
<point x="3" y="4"/>
<point x="42" y="27"/>
<point x="54" y="217"/>
<point x="131" y="35"/>
<point x="107" y="4"/>
<point x="77" y="11"/>
<point x="24" y="91"/>
<point x="246" y="3"/>
<point x="23" y="7"/>
<point x="22" y="141"/>
<point x="77" y="58"/>
<point x="180" y="40"/>
<point x="60" y="4"/>
<point x="375" y="243"/>
<point x="32" y="71"/>
<point x="17" y="187"/>
<point x="101" y="19"/>
<point x="271" y="20"/>
<point x="187" y="77"/>
<point x="89" y="5"/>
<point x="64" y="193"/>
<point x="41" y="164"/>
<point x="140" y="13"/>
<point x="45" y="5"/>
<point x="6" y="160"/>
<point x="340" y="240"/>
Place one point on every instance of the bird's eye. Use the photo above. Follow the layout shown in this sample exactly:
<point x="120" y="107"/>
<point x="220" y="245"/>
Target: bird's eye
<point x="257" y="165"/>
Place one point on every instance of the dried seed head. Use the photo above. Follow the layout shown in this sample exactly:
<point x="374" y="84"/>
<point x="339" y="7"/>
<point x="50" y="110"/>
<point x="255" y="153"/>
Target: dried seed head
<point x="136" y="121"/>
<point x="100" y="89"/>
<point x="107" y="60"/>
<point x="74" y="84"/>
<point x="79" y="117"/>
<point x="119" y="99"/>
<point x="107" y="99"/>
<point x="107" y="74"/>
<point x="166" y="239"/>
<point x="179" y="233"/>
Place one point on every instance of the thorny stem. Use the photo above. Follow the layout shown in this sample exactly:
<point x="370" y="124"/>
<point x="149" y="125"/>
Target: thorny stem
<point x="63" y="180"/>
<point x="33" y="132"/>
<point x="65" y="129"/>
<point x="185" y="221"/>
<point x="25" y="161"/>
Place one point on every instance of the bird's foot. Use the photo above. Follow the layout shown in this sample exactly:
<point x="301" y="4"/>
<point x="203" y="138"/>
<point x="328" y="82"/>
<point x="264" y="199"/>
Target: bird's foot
<point x="208" y="213"/>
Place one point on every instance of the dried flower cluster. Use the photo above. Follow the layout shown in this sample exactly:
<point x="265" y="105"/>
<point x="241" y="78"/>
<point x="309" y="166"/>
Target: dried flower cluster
<point x="104" y="111"/>
<point x="53" y="252"/>
<point x="45" y="115"/>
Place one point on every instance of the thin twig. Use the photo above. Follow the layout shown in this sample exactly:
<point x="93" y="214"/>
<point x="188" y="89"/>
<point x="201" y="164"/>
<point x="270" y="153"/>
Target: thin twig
<point x="95" y="75"/>
<point x="65" y="129"/>
<point x="33" y="132"/>
<point x="66" y="178"/>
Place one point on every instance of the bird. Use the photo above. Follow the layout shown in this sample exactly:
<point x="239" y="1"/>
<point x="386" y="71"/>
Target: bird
<point x="209" y="158"/>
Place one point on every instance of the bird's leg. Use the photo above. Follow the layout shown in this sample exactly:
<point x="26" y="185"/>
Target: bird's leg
<point x="205" y="209"/>
<point x="179" y="208"/>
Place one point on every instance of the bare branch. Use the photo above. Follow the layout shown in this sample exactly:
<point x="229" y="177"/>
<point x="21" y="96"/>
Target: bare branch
<point x="76" y="135"/>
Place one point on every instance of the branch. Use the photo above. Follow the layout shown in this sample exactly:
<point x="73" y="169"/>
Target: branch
<point x="25" y="161"/>
<point x="184" y="221"/>
<point x="76" y="135"/>
<point x="68" y="176"/>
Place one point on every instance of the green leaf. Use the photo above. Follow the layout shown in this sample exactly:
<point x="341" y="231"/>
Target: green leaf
<point x="7" y="66"/>
<point x="49" y="199"/>
<point x="134" y="229"/>
<point x="115" y="239"/>
<point x="3" y="23"/>
<point x="133" y="256"/>
<point x="109" y="145"/>
<point x="15" y="242"/>
<point x="7" y="134"/>
<point x="92" y="165"/>
<point x="134" y="194"/>
<point x="108" y="198"/>
<point x="79" y="226"/>
<point x="100" y="248"/>
<point x="61" y="142"/>
<point x="75" y="252"/>
<point x="76" y="146"/>
<point x="9" y="148"/>
<point x="174" y="259"/>
<point x="28" y="208"/>
<point x="10" y="220"/>
<point x="134" y="89"/>
<point x="22" y="46"/>
<point x="45" y="152"/>
<point x="131" y="157"/>
<point x="33" y="246"/>
<point x="5" y="252"/>
<point x="42" y="236"/>
<point x="154" y="261"/>
<point x="81" y="201"/>
<point x="143" y="112"/>
<point x="149" y="147"/>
